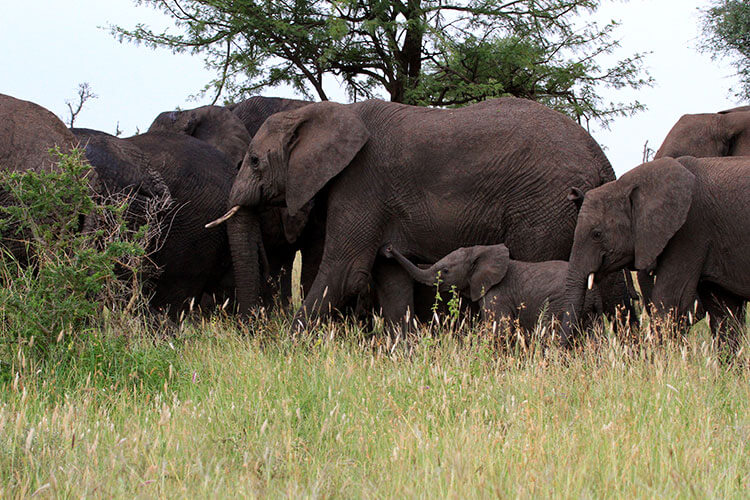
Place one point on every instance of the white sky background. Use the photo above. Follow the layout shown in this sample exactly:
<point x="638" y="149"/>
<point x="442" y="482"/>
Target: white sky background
<point x="48" y="47"/>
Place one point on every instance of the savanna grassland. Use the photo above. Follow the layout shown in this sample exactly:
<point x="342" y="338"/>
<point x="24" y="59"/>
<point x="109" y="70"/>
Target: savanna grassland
<point x="100" y="398"/>
<point x="216" y="408"/>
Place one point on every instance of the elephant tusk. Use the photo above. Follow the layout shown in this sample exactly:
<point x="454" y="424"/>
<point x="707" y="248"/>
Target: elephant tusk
<point x="591" y="281"/>
<point x="224" y="217"/>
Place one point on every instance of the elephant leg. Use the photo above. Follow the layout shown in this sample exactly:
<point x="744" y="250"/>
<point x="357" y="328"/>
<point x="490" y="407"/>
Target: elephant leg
<point x="335" y="282"/>
<point x="725" y="310"/>
<point x="646" y="284"/>
<point x="615" y="289"/>
<point x="675" y="288"/>
<point x="312" y="255"/>
<point x="395" y="291"/>
<point x="496" y="306"/>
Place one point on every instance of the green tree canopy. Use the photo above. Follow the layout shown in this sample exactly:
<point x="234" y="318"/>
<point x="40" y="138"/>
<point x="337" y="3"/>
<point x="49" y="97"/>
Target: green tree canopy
<point x="726" y="28"/>
<point x="430" y="52"/>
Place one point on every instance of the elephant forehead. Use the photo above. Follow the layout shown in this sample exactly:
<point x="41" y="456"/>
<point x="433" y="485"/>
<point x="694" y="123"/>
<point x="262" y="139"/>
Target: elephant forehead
<point x="456" y="256"/>
<point x="601" y="201"/>
<point x="277" y="124"/>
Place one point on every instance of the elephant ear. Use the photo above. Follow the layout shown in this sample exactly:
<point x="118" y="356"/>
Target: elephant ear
<point x="661" y="193"/>
<point x="323" y="141"/>
<point x="576" y="195"/>
<point x="735" y="125"/>
<point x="489" y="268"/>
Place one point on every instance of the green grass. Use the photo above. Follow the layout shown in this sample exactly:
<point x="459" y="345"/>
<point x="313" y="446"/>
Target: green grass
<point x="216" y="411"/>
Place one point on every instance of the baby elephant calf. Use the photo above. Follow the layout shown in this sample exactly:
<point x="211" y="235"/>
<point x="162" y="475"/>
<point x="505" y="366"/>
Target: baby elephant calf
<point x="505" y="287"/>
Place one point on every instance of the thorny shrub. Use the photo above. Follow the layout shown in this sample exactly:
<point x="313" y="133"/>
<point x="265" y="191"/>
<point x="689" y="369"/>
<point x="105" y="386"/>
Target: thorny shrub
<point x="81" y="260"/>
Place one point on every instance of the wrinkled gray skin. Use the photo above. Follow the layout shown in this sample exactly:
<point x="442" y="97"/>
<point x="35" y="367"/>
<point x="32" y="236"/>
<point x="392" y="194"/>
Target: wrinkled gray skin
<point x="192" y="260"/>
<point x="726" y="133"/>
<point x="428" y="180"/>
<point x="687" y="220"/>
<point x="230" y="130"/>
<point x="216" y="125"/>
<point x="27" y="133"/>
<point x="504" y="287"/>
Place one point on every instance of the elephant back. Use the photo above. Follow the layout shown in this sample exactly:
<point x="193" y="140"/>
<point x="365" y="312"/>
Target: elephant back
<point x="255" y="110"/>
<point x="119" y="165"/>
<point x="27" y="133"/>
<point x="215" y="125"/>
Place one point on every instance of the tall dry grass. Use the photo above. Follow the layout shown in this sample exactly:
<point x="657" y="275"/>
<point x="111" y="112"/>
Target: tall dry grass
<point x="224" y="409"/>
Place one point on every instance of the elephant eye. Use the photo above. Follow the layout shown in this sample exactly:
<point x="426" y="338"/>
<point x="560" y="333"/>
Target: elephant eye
<point x="254" y="161"/>
<point x="596" y="234"/>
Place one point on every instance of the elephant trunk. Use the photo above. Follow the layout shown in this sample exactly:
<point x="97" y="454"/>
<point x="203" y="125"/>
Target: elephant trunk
<point x="246" y="246"/>
<point x="425" y="276"/>
<point x="241" y="195"/>
<point x="579" y="280"/>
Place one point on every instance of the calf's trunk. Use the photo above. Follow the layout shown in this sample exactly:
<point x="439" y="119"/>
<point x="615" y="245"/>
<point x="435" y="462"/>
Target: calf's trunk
<point x="425" y="276"/>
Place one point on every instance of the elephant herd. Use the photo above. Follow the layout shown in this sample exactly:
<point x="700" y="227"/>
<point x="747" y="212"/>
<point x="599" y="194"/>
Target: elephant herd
<point x="510" y="203"/>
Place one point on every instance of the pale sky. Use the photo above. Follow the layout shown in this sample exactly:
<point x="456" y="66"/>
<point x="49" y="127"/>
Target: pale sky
<point x="50" y="46"/>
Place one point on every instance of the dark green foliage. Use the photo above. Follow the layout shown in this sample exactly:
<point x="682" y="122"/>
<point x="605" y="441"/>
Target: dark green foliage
<point x="428" y="52"/>
<point x="80" y="261"/>
<point x="726" y="27"/>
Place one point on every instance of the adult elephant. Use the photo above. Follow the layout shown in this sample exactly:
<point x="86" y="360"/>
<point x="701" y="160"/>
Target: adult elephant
<point x="687" y="220"/>
<point x="230" y="129"/>
<point x="726" y="133"/>
<point x="27" y="133"/>
<point x="427" y="180"/>
<point x="191" y="260"/>
<point x="216" y="125"/>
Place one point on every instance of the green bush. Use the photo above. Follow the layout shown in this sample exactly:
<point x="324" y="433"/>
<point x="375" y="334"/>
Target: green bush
<point x="80" y="261"/>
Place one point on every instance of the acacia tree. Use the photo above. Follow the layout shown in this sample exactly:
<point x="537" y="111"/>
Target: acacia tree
<point x="726" y="28"/>
<point x="430" y="52"/>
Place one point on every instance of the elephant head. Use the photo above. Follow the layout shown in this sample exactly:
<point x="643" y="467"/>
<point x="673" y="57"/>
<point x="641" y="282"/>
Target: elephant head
<point x="472" y="270"/>
<point x="295" y="154"/>
<point x="626" y="223"/>
<point x="216" y="125"/>
<point x="710" y="134"/>
<point x="291" y="158"/>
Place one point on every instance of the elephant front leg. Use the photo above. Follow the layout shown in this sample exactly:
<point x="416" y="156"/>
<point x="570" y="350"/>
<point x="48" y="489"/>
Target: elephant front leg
<point x="497" y="306"/>
<point x="334" y="284"/>
<point x="395" y="291"/>
<point x="726" y="313"/>
<point x="675" y="286"/>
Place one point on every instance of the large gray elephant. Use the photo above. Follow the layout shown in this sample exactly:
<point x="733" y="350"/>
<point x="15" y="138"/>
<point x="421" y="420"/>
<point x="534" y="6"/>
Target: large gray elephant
<point x="509" y="288"/>
<point x="216" y="125"/>
<point x="726" y="133"/>
<point x="687" y="220"/>
<point x="230" y="129"/>
<point x="27" y="133"/>
<point x="427" y="180"/>
<point x="254" y="111"/>
<point x="192" y="261"/>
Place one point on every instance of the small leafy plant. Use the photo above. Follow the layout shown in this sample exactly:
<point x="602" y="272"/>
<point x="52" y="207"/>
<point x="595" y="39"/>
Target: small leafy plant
<point x="68" y="259"/>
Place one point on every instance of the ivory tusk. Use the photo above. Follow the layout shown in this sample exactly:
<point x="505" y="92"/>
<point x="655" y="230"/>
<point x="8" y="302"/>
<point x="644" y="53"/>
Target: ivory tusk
<point x="224" y="217"/>
<point x="591" y="281"/>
